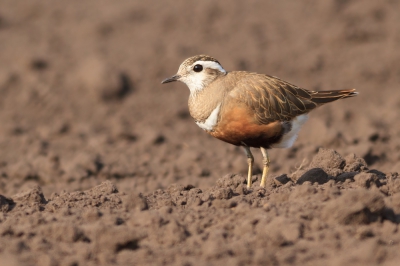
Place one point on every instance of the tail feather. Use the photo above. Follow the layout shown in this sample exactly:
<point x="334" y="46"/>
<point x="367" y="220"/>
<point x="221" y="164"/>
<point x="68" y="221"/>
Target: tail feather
<point x="322" y="97"/>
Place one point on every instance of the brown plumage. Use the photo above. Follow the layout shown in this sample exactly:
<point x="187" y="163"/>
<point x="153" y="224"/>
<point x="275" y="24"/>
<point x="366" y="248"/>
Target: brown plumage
<point x="248" y="109"/>
<point x="273" y="99"/>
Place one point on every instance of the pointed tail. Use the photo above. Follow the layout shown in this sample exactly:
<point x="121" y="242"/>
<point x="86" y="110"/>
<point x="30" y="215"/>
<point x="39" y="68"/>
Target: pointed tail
<point x="322" y="97"/>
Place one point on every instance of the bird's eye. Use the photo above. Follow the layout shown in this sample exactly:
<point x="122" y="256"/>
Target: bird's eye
<point x="197" y="68"/>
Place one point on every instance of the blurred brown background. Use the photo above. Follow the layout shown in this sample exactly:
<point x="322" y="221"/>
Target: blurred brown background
<point x="81" y="103"/>
<point x="81" y="99"/>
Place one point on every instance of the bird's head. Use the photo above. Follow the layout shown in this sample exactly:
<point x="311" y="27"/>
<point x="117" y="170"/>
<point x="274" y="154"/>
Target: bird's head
<point x="197" y="72"/>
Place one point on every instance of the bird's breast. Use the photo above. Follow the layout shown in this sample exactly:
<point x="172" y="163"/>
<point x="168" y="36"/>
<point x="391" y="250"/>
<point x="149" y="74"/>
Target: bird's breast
<point x="211" y="121"/>
<point x="238" y="126"/>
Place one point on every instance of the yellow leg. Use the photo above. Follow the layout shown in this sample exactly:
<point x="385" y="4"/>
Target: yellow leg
<point x="250" y="161"/>
<point x="266" y="167"/>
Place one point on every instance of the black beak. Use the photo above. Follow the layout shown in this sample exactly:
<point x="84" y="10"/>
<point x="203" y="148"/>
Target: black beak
<point x="173" y="78"/>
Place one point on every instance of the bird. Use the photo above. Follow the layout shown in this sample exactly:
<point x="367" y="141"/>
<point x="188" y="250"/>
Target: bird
<point x="248" y="109"/>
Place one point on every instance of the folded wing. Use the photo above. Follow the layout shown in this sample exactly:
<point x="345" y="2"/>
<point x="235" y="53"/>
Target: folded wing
<point x="273" y="99"/>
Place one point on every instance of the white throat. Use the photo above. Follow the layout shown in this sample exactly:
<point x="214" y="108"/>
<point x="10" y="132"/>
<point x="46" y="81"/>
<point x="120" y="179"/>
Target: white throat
<point x="197" y="81"/>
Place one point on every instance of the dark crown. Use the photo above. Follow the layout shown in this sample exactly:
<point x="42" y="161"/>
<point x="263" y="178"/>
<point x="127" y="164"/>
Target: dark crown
<point x="191" y="60"/>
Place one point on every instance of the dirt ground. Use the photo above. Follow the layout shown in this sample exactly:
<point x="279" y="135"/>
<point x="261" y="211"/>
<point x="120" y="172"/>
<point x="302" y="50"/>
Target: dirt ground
<point x="100" y="164"/>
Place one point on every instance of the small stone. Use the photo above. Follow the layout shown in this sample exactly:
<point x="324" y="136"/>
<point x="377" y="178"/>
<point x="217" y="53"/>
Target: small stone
<point x="315" y="175"/>
<point x="281" y="180"/>
<point x="346" y="176"/>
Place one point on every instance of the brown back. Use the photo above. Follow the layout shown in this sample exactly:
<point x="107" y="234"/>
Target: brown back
<point x="273" y="99"/>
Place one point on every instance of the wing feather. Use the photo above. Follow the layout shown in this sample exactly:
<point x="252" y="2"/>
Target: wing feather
<point x="273" y="99"/>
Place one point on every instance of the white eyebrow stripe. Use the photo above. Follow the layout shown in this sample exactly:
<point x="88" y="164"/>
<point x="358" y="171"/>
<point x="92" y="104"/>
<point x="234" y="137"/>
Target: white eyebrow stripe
<point x="210" y="64"/>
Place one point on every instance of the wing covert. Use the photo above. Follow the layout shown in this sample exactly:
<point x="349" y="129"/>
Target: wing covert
<point x="273" y="99"/>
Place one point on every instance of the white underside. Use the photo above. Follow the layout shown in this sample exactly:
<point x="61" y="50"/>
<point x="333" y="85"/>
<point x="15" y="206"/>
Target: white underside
<point x="289" y="138"/>
<point x="211" y="121"/>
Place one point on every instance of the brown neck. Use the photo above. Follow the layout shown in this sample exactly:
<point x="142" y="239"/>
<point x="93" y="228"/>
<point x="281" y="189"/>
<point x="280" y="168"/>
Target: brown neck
<point x="203" y="102"/>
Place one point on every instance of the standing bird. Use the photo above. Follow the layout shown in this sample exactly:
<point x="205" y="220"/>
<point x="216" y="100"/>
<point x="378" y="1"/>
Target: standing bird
<point x="248" y="109"/>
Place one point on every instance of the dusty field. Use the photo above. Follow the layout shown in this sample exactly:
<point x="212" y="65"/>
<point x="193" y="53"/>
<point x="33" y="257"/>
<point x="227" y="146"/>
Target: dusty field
<point x="102" y="165"/>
